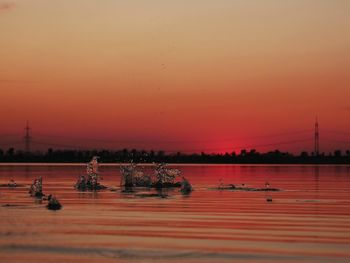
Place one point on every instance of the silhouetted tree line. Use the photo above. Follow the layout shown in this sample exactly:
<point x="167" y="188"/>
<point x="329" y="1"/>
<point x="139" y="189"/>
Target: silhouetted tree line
<point x="125" y="155"/>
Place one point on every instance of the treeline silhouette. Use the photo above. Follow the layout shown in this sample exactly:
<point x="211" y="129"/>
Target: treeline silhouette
<point x="125" y="155"/>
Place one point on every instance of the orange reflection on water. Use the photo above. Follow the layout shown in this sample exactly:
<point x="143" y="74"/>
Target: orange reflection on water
<point x="309" y="220"/>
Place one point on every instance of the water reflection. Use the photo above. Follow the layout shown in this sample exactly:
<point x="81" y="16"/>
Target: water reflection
<point x="308" y="221"/>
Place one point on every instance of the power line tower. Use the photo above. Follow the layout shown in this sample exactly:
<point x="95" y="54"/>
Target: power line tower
<point x="27" y="138"/>
<point x="317" y="139"/>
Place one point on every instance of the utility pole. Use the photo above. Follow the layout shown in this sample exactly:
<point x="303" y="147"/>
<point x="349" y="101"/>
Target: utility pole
<point x="317" y="139"/>
<point x="27" y="138"/>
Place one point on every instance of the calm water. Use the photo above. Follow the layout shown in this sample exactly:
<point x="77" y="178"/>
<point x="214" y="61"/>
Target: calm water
<point x="309" y="221"/>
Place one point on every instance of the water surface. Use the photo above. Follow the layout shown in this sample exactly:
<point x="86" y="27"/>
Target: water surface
<point x="308" y="221"/>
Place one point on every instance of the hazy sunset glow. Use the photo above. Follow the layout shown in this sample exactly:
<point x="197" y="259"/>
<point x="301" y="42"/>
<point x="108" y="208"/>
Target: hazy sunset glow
<point x="176" y="75"/>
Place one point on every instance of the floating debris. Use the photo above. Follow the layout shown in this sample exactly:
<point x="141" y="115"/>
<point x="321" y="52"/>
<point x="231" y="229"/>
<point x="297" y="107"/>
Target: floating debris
<point x="12" y="205"/>
<point x="228" y="187"/>
<point x="12" y="184"/>
<point x="53" y="204"/>
<point x="248" y="189"/>
<point x="242" y="187"/>
<point x="36" y="189"/>
<point x="265" y="189"/>
<point x="308" y="201"/>
<point x="91" y="180"/>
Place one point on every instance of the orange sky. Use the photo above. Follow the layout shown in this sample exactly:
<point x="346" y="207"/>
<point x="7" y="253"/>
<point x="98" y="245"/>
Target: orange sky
<point x="176" y="75"/>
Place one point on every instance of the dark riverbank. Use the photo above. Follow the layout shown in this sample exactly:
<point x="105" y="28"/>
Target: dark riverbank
<point x="124" y="156"/>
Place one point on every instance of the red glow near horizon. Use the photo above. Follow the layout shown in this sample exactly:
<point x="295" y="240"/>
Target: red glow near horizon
<point x="153" y="76"/>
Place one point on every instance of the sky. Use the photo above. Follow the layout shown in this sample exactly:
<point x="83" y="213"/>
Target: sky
<point x="185" y="75"/>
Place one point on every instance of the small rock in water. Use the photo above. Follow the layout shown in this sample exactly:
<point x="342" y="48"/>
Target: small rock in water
<point x="81" y="183"/>
<point x="12" y="183"/>
<point x="53" y="204"/>
<point x="186" y="187"/>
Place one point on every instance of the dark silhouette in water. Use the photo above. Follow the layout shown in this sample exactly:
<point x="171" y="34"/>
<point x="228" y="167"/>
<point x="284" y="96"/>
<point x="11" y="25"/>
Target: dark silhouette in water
<point x="125" y="156"/>
<point x="129" y="173"/>
<point x="11" y="184"/>
<point x="243" y="187"/>
<point x="186" y="187"/>
<point x="163" y="177"/>
<point x="36" y="189"/>
<point x="163" y="180"/>
<point x="91" y="180"/>
<point x="53" y="203"/>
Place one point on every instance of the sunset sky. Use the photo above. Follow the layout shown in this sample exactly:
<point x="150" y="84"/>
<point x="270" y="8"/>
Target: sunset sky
<point x="176" y="75"/>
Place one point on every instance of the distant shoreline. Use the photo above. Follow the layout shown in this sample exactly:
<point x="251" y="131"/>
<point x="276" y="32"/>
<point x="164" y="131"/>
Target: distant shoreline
<point x="250" y="157"/>
<point x="178" y="164"/>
